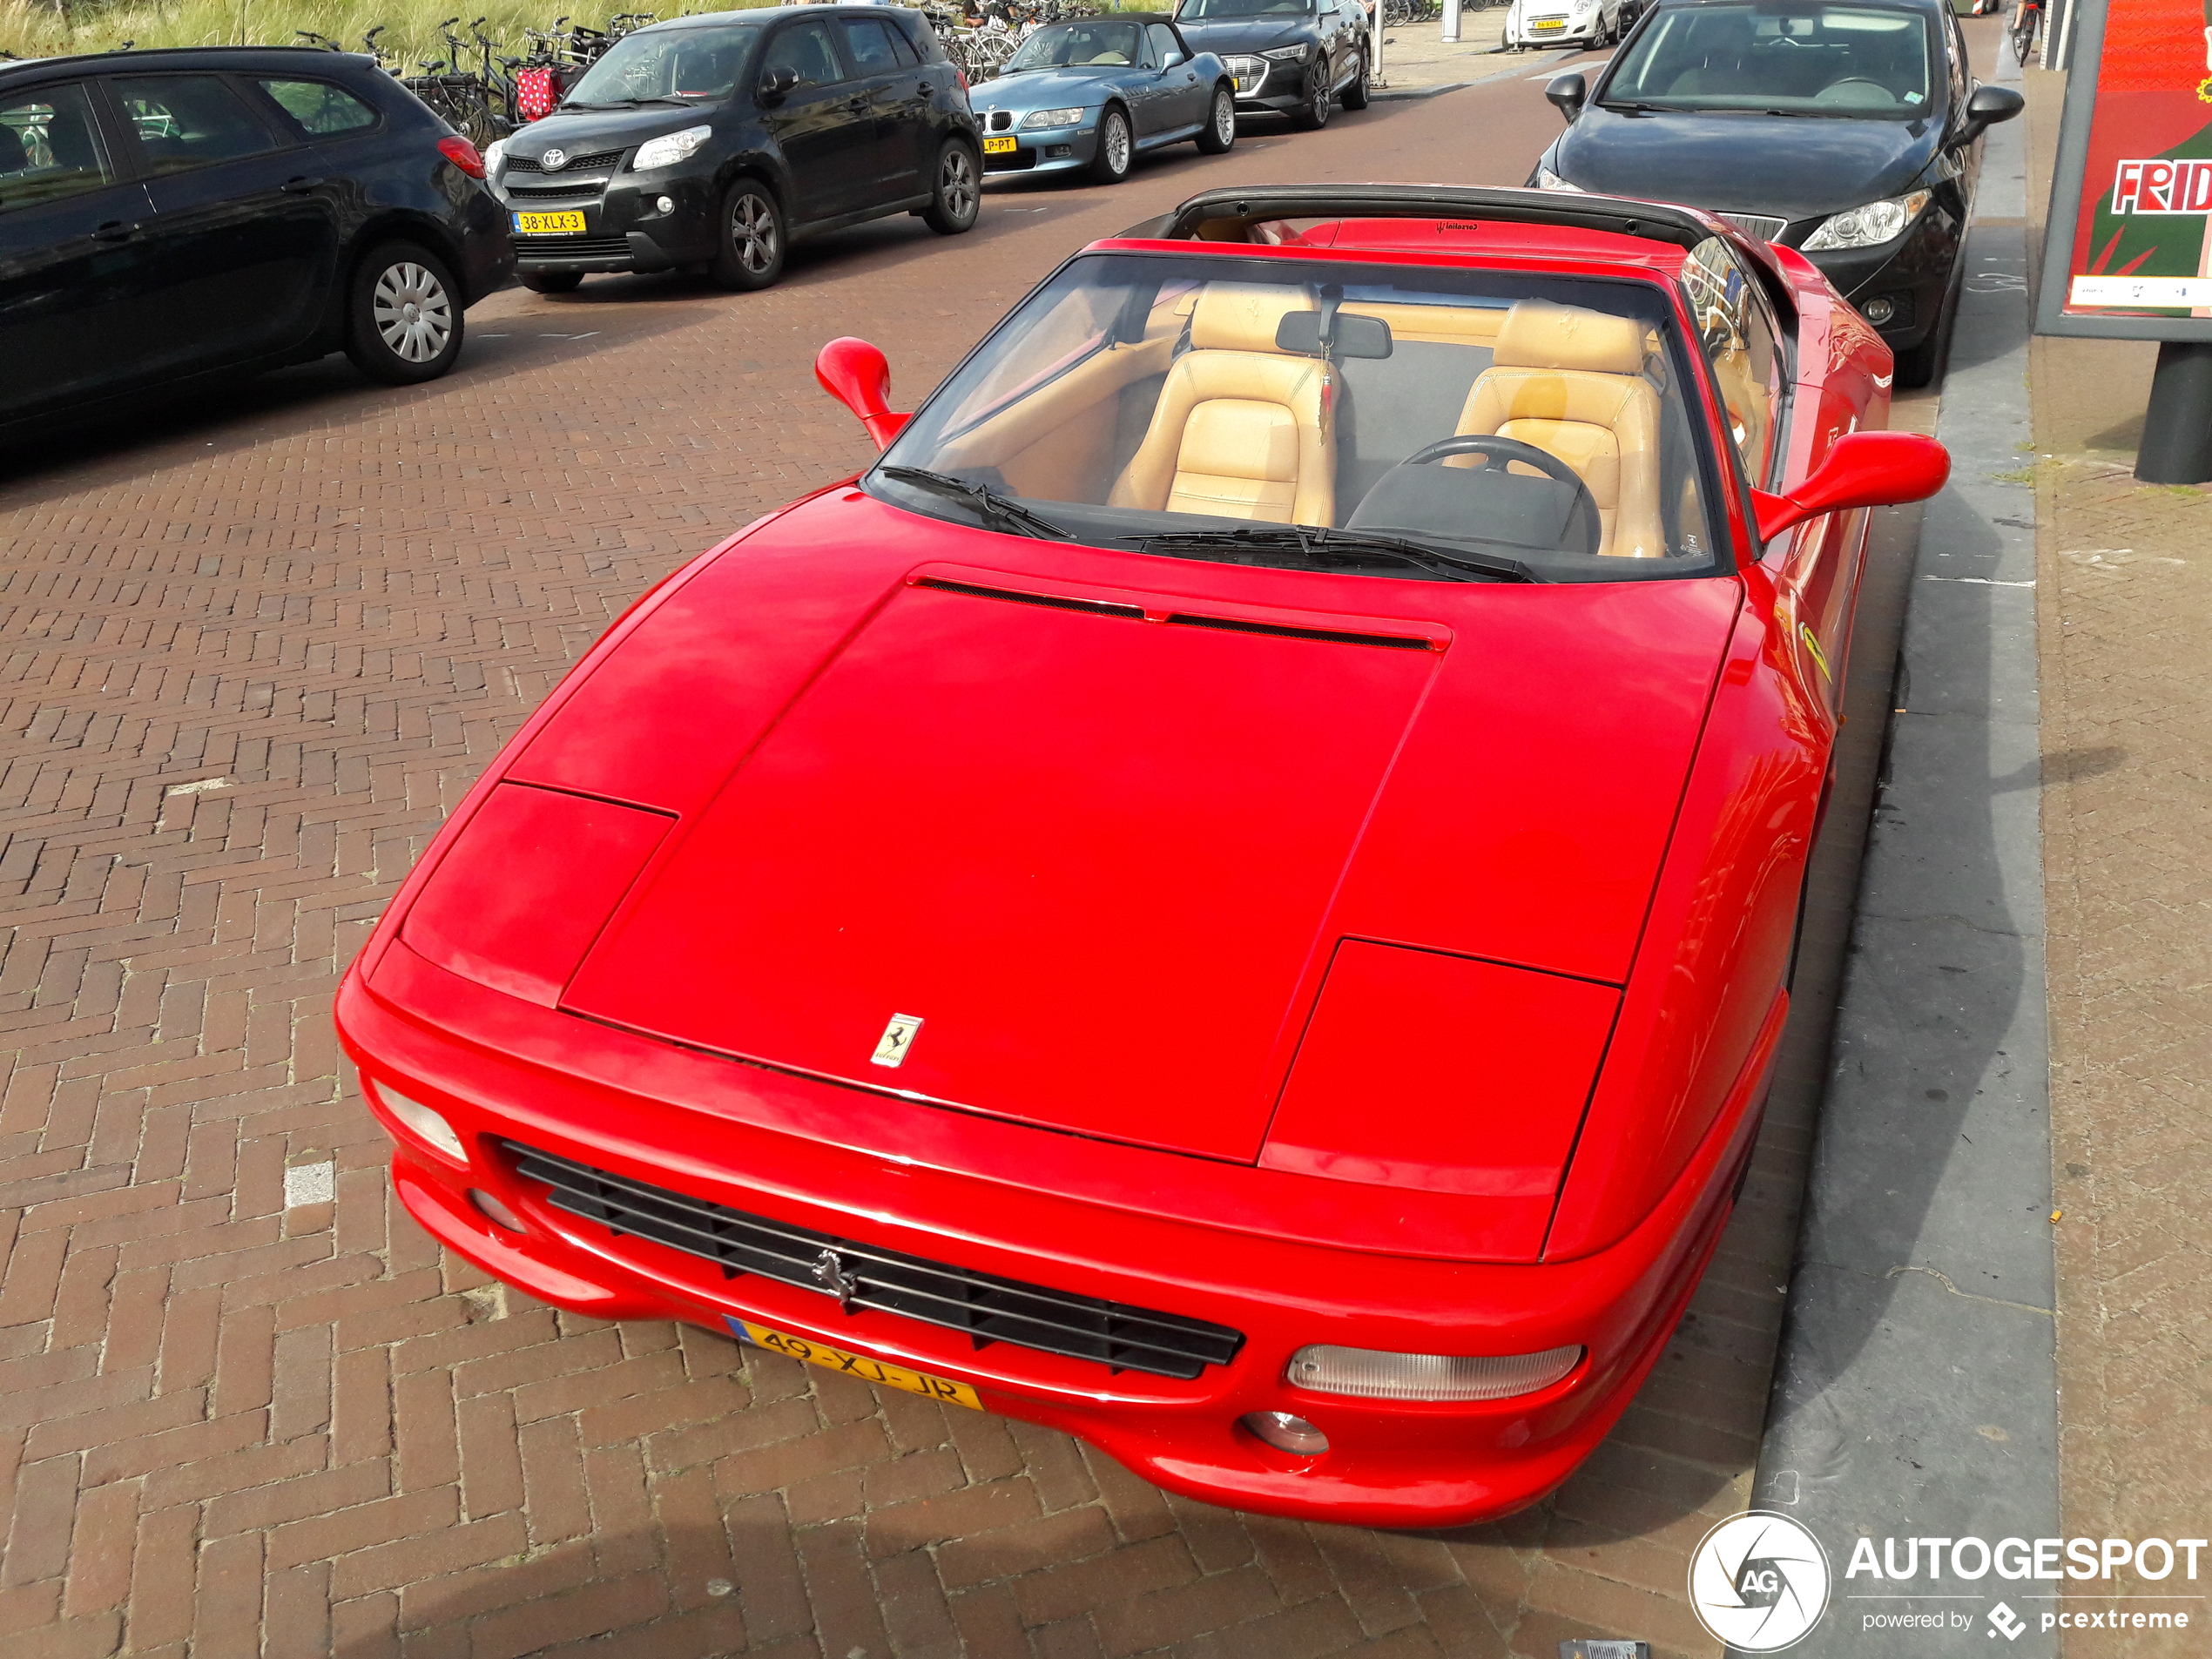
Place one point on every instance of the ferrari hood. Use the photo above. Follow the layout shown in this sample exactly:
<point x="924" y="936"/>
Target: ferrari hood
<point x="1082" y="862"/>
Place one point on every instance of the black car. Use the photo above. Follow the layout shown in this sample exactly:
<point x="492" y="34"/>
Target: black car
<point x="717" y="140"/>
<point x="167" y="214"/>
<point x="1294" y="58"/>
<point x="1850" y="130"/>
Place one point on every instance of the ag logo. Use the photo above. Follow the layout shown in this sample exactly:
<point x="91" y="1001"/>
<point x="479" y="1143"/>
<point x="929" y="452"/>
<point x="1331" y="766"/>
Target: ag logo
<point x="1759" y="1582"/>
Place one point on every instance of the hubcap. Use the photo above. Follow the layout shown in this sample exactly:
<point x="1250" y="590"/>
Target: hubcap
<point x="958" y="185"/>
<point x="411" y="313"/>
<point x="753" y="233"/>
<point x="1118" y="144"/>
<point x="1224" y="118"/>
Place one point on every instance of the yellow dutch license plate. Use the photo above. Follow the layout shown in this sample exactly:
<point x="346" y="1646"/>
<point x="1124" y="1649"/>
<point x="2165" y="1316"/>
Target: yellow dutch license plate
<point x="854" y="1365"/>
<point x="998" y="147"/>
<point x="549" y="224"/>
<point x="1550" y="26"/>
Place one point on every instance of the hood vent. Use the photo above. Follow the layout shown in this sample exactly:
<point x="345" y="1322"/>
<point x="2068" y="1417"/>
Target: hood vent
<point x="1181" y="618"/>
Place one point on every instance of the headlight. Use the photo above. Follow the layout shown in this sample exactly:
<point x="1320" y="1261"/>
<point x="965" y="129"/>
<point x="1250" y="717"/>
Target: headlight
<point x="1547" y="179"/>
<point x="1868" y="227"/>
<point x="1052" y="118"/>
<point x="1373" y="1375"/>
<point x="495" y="158"/>
<point x="1286" y="54"/>
<point x="668" y="150"/>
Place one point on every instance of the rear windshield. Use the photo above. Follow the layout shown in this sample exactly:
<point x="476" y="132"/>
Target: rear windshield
<point x="681" y="65"/>
<point x="1405" y="423"/>
<point x="1856" y="61"/>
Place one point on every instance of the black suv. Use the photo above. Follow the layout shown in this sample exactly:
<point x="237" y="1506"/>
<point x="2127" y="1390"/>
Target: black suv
<point x="164" y="214"/>
<point x="715" y="140"/>
<point x="1292" y="58"/>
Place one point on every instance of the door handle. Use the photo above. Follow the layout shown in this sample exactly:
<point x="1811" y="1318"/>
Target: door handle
<point x="296" y="185"/>
<point x="115" y="230"/>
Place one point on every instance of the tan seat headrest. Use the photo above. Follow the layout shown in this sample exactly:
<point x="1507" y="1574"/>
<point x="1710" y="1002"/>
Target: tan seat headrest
<point x="1243" y="316"/>
<point x="1538" y="335"/>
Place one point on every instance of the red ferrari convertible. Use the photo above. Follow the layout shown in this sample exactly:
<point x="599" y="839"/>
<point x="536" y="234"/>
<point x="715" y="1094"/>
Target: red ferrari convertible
<point x="1234" y="895"/>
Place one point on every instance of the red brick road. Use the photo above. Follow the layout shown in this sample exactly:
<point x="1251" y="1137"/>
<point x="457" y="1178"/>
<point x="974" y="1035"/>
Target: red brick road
<point x="255" y="649"/>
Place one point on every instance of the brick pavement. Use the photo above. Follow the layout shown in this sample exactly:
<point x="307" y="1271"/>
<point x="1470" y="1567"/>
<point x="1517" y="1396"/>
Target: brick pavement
<point x="255" y="650"/>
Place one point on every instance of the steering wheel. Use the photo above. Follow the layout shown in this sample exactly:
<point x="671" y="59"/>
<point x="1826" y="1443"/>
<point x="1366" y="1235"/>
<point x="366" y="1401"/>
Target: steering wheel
<point x="1855" y="80"/>
<point x="1501" y="450"/>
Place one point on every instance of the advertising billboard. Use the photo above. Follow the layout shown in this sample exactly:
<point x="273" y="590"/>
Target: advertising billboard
<point x="2128" y="254"/>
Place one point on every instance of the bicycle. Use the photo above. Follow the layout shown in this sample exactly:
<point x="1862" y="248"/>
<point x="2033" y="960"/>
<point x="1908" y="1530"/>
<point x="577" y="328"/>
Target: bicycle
<point x="459" y="97"/>
<point x="2026" y="15"/>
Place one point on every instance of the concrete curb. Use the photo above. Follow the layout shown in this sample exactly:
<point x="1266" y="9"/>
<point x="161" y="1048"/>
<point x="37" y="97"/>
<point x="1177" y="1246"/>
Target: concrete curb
<point x="1915" y="1391"/>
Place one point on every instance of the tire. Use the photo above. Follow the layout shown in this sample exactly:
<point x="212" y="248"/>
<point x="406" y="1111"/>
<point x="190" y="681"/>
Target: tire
<point x="1356" y="95"/>
<point x="1220" y="131"/>
<point x="1921" y="366"/>
<point x="1116" y="150"/>
<point x="956" y="192"/>
<point x="750" y="243"/>
<point x="1314" y="114"/>
<point x="549" y="281"/>
<point x="403" y="315"/>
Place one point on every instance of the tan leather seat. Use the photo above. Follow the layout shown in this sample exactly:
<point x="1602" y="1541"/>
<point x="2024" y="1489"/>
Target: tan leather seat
<point x="1571" y="382"/>
<point x="1237" y="432"/>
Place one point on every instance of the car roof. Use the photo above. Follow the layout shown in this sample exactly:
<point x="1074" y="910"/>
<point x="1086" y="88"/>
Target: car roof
<point x="1785" y="8"/>
<point x="179" y="56"/>
<point x="757" y="16"/>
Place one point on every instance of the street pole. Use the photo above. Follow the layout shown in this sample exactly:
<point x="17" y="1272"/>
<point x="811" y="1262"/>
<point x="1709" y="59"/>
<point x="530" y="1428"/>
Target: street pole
<point x="2177" y="426"/>
<point x="1450" y="22"/>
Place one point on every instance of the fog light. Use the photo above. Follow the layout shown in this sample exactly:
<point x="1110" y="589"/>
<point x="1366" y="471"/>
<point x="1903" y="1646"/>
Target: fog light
<point x="424" y="1121"/>
<point x="666" y="205"/>
<point x="1059" y="152"/>
<point x="1286" y="1433"/>
<point x="1373" y="1375"/>
<point x="493" y="1211"/>
<point x="1881" y="311"/>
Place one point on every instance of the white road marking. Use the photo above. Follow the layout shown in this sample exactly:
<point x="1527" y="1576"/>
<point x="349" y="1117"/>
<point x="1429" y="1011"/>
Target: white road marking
<point x="199" y="788"/>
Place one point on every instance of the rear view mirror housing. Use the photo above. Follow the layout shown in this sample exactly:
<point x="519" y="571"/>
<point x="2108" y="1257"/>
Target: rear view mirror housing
<point x="855" y="374"/>
<point x="1989" y="105"/>
<point x="776" y="83"/>
<point x="1568" y="94"/>
<point x="1863" y="469"/>
<point x="1300" y="333"/>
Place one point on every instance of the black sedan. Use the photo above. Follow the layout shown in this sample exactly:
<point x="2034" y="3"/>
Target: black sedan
<point x="1294" y="58"/>
<point x="715" y="141"/>
<point x="169" y="214"/>
<point x="1850" y="130"/>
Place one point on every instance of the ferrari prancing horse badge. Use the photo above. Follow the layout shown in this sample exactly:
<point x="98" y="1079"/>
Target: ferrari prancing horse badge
<point x="890" y="1047"/>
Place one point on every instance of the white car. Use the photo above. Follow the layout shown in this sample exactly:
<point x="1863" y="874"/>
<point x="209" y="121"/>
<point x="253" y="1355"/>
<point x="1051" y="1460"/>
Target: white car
<point x="1563" y="22"/>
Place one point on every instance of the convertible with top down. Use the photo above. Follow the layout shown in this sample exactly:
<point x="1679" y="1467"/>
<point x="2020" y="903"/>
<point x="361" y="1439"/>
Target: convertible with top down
<point x="1233" y="894"/>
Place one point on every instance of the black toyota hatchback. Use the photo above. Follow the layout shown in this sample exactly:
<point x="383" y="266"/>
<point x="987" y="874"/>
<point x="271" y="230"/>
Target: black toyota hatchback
<point x="1850" y="130"/>
<point x="166" y="215"/>
<point x="715" y="141"/>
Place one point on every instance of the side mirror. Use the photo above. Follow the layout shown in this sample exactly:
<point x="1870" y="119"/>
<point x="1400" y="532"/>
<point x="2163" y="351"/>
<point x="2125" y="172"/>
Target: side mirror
<point x="776" y="83"/>
<point x="1567" y="92"/>
<point x="1172" y="60"/>
<point x="1863" y="469"/>
<point x="1989" y="105"/>
<point x="854" y="373"/>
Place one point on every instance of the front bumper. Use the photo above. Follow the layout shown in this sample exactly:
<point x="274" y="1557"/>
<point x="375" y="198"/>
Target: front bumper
<point x="624" y="227"/>
<point x="1572" y="34"/>
<point x="1047" y="150"/>
<point x="1913" y="273"/>
<point x="1389" y="1463"/>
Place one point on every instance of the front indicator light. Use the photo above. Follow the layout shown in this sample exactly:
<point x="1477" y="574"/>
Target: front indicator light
<point x="1285" y="1433"/>
<point x="1547" y="179"/>
<point x="1367" y="1373"/>
<point x="1868" y="227"/>
<point x="493" y="1211"/>
<point x="426" y="1124"/>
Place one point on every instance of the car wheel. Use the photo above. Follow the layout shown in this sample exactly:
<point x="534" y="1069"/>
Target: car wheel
<point x="1314" y="114"/>
<point x="1923" y="364"/>
<point x="1111" y="163"/>
<point x="1220" y="131"/>
<point x="549" y="281"/>
<point x="749" y="250"/>
<point x="1356" y="95"/>
<point x="956" y="197"/>
<point x="404" y="319"/>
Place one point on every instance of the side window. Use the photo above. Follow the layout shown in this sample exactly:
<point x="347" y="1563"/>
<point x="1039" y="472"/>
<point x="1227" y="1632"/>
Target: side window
<point x="1738" y="337"/>
<point x="1161" y="39"/>
<point x="869" y="45"/>
<point x="186" y="121"/>
<point x="319" y="109"/>
<point x="49" y="147"/>
<point x="804" y="49"/>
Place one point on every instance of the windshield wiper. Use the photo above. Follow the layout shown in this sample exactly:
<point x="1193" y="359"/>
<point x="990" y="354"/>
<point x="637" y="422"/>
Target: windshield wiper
<point x="994" y="509"/>
<point x="626" y="103"/>
<point x="1346" y="546"/>
<point x="1634" y="107"/>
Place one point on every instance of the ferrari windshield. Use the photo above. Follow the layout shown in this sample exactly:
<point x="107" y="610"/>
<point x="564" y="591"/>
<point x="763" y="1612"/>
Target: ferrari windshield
<point x="671" y="63"/>
<point x="1866" y="62"/>
<point x="1113" y="45"/>
<point x="1424" y="423"/>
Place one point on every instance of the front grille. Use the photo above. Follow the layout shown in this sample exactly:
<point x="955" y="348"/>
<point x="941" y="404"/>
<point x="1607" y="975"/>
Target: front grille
<point x="1760" y="227"/>
<point x="987" y="1308"/>
<point x="572" y="247"/>
<point x="574" y="163"/>
<point x="554" y="193"/>
<point x="1002" y="120"/>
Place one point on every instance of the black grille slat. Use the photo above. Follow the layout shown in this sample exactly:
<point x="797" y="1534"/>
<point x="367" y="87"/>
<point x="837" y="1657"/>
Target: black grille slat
<point x="574" y="163"/>
<point x="574" y="248"/>
<point x="984" y="1307"/>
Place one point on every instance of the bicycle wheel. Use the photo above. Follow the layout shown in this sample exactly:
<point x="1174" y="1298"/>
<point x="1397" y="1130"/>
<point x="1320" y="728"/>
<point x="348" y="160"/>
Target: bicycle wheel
<point x="2024" y="21"/>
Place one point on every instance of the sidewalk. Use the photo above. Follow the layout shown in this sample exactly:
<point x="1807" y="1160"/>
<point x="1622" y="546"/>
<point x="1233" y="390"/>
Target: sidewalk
<point x="1418" y="63"/>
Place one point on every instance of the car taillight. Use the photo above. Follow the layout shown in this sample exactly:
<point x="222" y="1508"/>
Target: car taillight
<point x="462" y="154"/>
